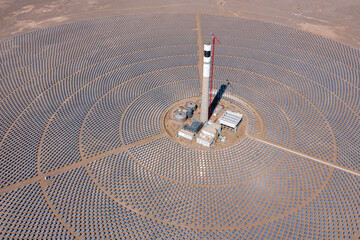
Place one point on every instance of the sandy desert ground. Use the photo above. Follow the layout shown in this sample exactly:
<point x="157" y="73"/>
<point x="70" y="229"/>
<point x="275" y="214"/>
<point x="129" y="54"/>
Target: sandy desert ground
<point x="335" y="19"/>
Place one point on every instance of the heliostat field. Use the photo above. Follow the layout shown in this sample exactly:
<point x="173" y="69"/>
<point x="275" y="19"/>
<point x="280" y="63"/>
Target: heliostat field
<point x="84" y="154"/>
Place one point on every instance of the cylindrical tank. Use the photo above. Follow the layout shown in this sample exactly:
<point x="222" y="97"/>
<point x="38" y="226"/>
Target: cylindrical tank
<point x="180" y="116"/>
<point x="191" y="105"/>
<point x="190" y="112"/>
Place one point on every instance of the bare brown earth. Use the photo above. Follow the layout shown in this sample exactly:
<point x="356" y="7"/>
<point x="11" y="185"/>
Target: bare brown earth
<point x="334" y="19"/>
<point x="172" y="127"/>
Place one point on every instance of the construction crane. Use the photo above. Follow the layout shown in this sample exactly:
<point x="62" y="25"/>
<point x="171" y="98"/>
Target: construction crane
<point x="212" y="69"/>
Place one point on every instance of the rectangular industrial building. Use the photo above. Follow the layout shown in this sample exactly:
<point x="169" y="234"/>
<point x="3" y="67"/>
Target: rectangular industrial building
<point x="231" y="120"/>
<point x="208" y="134"/>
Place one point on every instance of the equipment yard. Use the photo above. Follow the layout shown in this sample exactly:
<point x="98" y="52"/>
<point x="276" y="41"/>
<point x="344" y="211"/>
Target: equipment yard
<point x="171" y="127"/>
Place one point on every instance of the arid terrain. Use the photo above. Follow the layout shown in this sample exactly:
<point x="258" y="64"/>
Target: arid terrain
<point x="335" y="19"/>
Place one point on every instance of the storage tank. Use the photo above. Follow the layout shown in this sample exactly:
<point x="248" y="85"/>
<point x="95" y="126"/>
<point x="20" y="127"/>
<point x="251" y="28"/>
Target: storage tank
<point x="191" y="105"/>
<point x="190" y="112"/>
<point x="180" y="116"/>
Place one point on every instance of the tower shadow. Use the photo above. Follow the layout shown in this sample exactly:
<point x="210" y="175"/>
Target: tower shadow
<point x="218" y="97"/>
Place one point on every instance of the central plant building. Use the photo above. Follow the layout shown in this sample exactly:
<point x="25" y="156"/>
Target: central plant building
<point x="230" y="120"/>
<point x="208" y="134"/>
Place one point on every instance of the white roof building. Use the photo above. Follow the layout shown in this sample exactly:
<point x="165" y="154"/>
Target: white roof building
<point x="218" y="109"/>
<point x="186" y="134"/>
<point x="205" y="140"/>
<point x="208" y="134"/>
<point x="211" y="128"/>
<point x="231" y="119"/>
